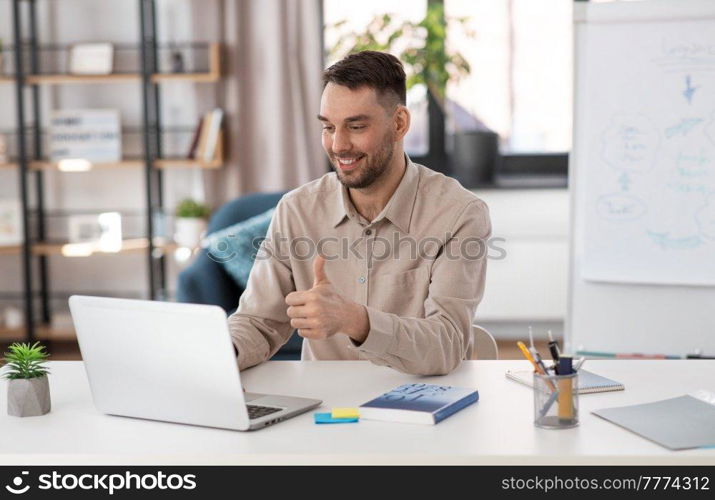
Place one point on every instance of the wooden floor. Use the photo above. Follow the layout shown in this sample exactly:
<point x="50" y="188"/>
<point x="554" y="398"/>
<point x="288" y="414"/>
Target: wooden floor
<point x="70" y="351"/>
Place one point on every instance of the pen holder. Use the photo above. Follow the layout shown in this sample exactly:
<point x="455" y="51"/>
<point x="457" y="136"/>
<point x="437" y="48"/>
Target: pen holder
<point x="555" y="401"/>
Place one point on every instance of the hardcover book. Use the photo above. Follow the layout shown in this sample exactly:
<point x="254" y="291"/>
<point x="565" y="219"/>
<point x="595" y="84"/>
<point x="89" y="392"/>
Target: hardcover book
<point x="418" y="403"/>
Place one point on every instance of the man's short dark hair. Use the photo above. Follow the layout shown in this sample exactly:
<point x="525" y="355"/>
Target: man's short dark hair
<point x="369" y="68"/>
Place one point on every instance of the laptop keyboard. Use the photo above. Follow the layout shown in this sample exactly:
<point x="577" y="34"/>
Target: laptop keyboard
<point x="255" y="411"/>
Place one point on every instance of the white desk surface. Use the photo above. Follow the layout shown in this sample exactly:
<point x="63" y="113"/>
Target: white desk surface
<point x="496" y="430"/>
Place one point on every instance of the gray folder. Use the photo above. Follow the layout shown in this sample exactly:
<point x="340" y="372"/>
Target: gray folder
<point x="677" y="423"/>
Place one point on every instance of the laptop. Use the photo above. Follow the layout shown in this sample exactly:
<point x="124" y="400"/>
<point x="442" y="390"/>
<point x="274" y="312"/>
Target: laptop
<point x="170" y="362"/>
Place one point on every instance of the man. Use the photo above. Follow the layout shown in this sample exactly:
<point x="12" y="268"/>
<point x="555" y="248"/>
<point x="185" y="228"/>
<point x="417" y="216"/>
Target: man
<point x="381" y="260"/>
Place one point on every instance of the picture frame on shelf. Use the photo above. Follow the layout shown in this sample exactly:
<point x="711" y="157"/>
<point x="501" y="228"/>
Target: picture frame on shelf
<point x="11" y="231"/>
<point x="91" y="135"/>
<point x="91" y="59"/>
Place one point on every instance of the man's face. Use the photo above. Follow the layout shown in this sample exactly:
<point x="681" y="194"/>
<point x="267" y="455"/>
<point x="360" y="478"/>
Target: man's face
<point x="358" y="134"/>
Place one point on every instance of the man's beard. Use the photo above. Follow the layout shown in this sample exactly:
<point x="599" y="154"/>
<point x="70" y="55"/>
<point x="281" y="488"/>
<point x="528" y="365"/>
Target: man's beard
<point x="375" y="166"/>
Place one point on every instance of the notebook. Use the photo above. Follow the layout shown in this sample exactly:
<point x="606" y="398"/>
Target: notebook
<point x="588" y="382"/>
<point x="677" y="423"/>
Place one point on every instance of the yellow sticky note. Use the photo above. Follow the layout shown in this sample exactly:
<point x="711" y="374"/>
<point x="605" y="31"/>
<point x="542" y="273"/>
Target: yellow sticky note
<point x="345" y="413"/>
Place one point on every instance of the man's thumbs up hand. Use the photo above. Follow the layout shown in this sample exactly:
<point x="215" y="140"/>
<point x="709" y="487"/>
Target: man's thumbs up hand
<point x="322" y="311"/>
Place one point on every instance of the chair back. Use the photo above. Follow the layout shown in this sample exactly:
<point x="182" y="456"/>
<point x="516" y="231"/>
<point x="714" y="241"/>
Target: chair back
<point x="485" y="347"/>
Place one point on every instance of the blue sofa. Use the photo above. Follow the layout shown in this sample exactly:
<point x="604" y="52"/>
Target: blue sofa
<point x="206" y="282"/>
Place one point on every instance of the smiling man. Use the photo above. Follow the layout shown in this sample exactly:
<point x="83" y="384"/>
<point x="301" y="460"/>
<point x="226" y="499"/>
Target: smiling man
<point x="383" y="259"/>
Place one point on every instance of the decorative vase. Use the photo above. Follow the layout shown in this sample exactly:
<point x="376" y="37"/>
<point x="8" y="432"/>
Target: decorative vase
<point x="475" y="157"/>
<point x="189" y="231"/>
<point x="28" y="397"/>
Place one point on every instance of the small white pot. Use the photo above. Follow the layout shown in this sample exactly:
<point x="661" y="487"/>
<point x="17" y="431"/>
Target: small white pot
<point x="188" y="231"/>
<point x="28" y="397"/>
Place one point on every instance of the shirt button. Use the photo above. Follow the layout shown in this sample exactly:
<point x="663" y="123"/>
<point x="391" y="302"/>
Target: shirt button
<point x="362" y="279"/>
<point x="368" y="232"/>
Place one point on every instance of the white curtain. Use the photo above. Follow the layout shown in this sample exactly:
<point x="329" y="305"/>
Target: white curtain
<point x="271" y="94"/>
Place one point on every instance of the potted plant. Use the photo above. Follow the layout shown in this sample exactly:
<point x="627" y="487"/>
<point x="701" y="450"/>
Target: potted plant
<point x="28" y="390"/>
<point x="422" y="48"/>
<point x="190" y="223"/>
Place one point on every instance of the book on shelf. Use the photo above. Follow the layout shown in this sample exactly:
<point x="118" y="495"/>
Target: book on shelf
<point x="206" y="143"/>
<point x="418" y="403"/>
<point x="212" y="135"/>
<point x="195" y="139"/>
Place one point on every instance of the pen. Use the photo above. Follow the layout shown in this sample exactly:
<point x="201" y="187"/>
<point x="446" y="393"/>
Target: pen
<point x="549" y="403"/>
<point x="580" y="361"/>
<point x="531" y="338"/>
<point x="537" y="358"/>
<point x="535" y="354"/>
<point x="529" y="357"/>
<point x="553" y="348"/>
<point x="538" y="368"/>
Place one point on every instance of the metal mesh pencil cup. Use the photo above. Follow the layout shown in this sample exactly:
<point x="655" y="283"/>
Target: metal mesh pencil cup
<point x="555" y="401"/>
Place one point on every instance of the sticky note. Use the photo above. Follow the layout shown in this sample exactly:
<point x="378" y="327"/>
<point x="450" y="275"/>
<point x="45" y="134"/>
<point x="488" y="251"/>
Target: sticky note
<point x="346" y="413"/>
<point x="326" y="418"/>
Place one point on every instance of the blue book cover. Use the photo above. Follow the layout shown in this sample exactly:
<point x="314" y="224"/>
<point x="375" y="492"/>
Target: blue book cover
<point x="418" y="403"/>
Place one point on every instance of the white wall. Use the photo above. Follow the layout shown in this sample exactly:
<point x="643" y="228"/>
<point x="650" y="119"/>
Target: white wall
<point x="529" y="285"/>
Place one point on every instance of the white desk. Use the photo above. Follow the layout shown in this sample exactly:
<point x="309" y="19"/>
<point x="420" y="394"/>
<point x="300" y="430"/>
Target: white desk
<point x="496" y="430"/>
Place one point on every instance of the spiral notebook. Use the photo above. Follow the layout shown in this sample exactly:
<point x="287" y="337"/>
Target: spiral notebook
<point x="588" y="382"/>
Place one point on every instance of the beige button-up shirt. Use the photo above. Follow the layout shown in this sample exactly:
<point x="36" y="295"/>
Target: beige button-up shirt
<point x="418" y="268"/>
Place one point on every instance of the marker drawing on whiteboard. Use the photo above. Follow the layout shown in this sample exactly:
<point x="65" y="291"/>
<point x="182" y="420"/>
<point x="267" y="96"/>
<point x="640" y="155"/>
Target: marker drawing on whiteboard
<point x="625" y="181"/>
<point x="689" y="90"/>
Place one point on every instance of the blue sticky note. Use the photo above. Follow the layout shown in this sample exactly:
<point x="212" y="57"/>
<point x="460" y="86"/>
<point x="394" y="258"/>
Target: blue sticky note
<point x="327" y="418"/>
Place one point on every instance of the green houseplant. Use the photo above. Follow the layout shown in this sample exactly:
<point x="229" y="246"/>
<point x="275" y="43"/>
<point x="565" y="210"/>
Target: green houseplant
<point x="28" y="392"/>
<point x="190" y="223"/>
<point x="422" y="47"/>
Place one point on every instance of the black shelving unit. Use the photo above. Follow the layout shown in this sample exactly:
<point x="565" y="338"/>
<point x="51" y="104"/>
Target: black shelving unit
<point x="29" y="58"/>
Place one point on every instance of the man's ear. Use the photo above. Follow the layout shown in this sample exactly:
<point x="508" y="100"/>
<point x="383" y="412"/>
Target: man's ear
<point x="401" y="119"/>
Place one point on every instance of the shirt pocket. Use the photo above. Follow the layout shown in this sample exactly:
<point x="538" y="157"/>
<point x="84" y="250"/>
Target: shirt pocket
<point x="402" y="293"/>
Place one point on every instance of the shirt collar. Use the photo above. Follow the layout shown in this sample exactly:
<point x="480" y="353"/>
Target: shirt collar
<point x="398" y="209"/>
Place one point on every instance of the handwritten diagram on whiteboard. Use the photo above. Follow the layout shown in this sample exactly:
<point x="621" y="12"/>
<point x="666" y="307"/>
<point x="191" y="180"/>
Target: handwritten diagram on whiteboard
<point x="650" y="142"/>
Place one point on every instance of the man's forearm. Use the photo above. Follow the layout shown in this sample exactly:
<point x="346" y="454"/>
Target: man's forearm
<point x="357" y="323"/>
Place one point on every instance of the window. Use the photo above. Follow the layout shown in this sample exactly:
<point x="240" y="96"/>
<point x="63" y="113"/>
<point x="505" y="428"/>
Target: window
<point x="521" y="70"/>
<point x="520" y="79"/>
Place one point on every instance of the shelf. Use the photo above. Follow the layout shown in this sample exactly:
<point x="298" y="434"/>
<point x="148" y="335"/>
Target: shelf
<point x="53" y="333"/>
<point x="8" y="334"/>
<point x="50" y="165"/>
<point x="213" y="75"/>
<point x="8" y="165"/>
<point x="10" y="250"/>
<point x="7" y="79"/>
<point x="61" y="79"/>
<point x="42" y="332"/>
<point x="183" y="163"/>
<point x="129" y="246"/>
<point x="164" y="163"/>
